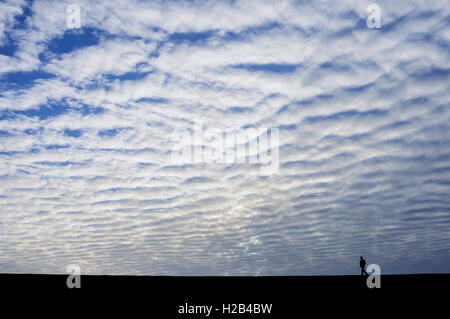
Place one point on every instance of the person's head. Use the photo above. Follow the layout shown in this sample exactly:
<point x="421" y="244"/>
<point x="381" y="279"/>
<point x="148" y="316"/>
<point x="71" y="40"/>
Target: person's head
<point x="360" y="257"/>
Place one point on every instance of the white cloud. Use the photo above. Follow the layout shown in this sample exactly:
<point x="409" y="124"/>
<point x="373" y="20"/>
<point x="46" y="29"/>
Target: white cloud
<point x="8" y="11"/>
<point x="362" y="123"/>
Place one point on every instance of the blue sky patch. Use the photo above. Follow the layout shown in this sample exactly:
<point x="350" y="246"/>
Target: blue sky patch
<point x="110" y="132"/>
<point x="268" y="67"/>
<point x="191" y="37"/>
<point x="73" y="133"/>
<point x="74" y="39"/>
<point x="20" y="80"/>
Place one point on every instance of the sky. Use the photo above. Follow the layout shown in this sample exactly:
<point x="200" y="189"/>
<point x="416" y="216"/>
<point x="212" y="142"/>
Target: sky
<point x="89" y="118"/>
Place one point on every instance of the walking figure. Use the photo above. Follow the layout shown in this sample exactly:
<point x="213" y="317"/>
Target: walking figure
<point x="362" y="264"/>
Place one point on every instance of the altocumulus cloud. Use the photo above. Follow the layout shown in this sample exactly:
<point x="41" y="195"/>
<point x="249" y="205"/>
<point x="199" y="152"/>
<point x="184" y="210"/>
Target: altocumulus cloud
<point x="86" y="117"/>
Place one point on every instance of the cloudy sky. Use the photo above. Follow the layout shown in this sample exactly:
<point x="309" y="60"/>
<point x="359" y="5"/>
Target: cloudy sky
<point x="88" y="115"/>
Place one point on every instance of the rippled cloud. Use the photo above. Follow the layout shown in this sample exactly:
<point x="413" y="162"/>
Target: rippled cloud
<point x="87" y="117"/>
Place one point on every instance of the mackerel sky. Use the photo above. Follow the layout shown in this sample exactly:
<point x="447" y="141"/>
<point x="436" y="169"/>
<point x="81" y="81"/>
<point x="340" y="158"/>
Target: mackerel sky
<point x="87" y="117"/>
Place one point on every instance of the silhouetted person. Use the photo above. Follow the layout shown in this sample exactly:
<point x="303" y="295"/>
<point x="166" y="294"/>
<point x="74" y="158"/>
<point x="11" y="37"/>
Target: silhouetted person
<point x="362" y="264"/>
